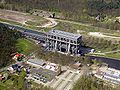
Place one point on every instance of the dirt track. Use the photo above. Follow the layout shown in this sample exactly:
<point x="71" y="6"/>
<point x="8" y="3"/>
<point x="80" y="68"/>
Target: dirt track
<point x="51" y="23"/>
<point x="23" y="18"/>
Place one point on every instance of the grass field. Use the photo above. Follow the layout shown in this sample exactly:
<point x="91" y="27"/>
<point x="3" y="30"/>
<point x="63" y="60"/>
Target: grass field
<point x="22" y="19"/>
<point x="113" y="55"/>
<point x="9" y="21"/>
<point x="36" y="21"/>
<point x="72" y="26"/>
<point x="25" y="46"/>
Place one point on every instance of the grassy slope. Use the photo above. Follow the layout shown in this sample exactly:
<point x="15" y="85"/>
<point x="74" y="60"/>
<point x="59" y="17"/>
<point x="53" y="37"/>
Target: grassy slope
<point x="114" y="55"/>
<point x="32" y="23"/>
<point x="72" y="26"/>
<point x="9" y="21"/>
<point x="25" y="46"/>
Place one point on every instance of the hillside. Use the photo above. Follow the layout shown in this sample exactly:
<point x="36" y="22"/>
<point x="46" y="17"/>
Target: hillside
<point x="85" y="11"/>
<point x="8" y="40"/>
<point x="73" y="7"/>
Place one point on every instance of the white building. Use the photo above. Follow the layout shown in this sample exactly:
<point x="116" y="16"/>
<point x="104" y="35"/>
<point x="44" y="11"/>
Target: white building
<point x="109" y="74"/>
<point x="45" y="65"/>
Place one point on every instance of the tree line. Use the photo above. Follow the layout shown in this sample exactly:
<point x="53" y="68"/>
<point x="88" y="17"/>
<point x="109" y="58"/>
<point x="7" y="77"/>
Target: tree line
<point x="100" y="44"/>
<point x="78" y="10"/>
<point x="74" y="8"/>
<point x="8" y="40"/>
<point x="92" y="83"/>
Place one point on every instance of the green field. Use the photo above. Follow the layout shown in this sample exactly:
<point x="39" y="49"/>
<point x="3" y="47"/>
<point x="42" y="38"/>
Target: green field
<point x="25" y="46"/>
<point x="71" y="26"/>
<point x="9" y="21"/>
<point x="13" y="82"/>
<point x="36" y="21"/>
<point x="113" y="55"/>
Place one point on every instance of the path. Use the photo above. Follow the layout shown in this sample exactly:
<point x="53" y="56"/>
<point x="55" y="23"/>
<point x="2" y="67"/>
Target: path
<point x="101" y="35"/>
<point x="115" y="51"/>
<point x="50" y="24"/>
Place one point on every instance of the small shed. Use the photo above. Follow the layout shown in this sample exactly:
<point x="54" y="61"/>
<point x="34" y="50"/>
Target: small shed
<point x="77" y="65"/>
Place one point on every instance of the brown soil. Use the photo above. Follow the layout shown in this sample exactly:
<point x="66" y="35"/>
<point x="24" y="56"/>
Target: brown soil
<point x="14" y="16"/>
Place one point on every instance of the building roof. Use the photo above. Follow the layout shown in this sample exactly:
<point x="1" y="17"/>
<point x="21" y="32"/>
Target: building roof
<point x="18" y="55"/>
<point x="36" y="61"/>
<point x="64" y="34"/>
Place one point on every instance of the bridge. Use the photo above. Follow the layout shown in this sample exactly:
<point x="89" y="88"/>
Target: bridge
<point x="55" y="40"/>
<point x="37" y="35"/>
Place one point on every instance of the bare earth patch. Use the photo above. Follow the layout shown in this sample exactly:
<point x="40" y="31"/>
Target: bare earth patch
<point x="28" y="20"/>
<point x="14" y="16"/>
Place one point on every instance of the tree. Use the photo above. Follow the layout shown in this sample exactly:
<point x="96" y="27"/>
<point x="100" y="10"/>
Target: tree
<point x="8" y="40"/>
<point x="91" y="83"/>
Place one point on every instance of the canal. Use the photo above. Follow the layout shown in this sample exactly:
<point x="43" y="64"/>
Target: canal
<point x="112" y="63"/>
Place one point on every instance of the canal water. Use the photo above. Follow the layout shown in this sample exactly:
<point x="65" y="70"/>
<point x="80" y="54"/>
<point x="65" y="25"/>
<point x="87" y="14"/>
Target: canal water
<point x="112" y="63"/>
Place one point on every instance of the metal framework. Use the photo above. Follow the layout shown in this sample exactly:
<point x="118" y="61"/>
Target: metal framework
<point x="61" y="41"/>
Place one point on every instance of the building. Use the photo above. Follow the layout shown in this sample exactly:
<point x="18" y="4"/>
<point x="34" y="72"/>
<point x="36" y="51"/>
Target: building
<point x="109" y="74"/>
<point x="61" y="41"/>
<point x="44" y="71"/>
<point x="45" y="65"/>
<point x="18" y="56"/>
<point x="36" y="62"/>
<point x="1" y="77"/>
<point x="53" y="67"/>
<point x="77" y="65"/>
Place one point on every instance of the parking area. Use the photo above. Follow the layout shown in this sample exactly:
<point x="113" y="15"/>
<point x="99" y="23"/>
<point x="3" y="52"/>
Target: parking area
<point x="65" y="81"/>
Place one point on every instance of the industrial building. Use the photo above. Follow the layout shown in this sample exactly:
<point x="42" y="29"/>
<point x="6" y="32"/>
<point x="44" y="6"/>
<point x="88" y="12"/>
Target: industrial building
<point x="36" y="62"/>
<point x="108" y="74"/>
<point x="61" y="41"/>
<point x="51" y="67"/>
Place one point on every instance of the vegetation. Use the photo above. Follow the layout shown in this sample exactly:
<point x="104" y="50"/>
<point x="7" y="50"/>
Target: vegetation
<point x="91" y="83"/>
<point x="9" y="21"/>
<point x="40" y="87"/>
<point x="25" y="46"/>
<point x="113" y="55"/>
<point x="71" y="26"/>
<point x="100" y="44"/>
<point x="79" y="10"/>
<point x="59" y="58"/>
<point x="37" y="21"/>
<point x="14" y="82"/>
<point x="8" y="40"/>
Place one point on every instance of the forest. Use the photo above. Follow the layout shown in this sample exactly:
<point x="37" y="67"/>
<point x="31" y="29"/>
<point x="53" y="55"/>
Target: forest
<point x="84" y="11"/>
<point x="92" y="83"/>
<point x="8" y="40"/>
